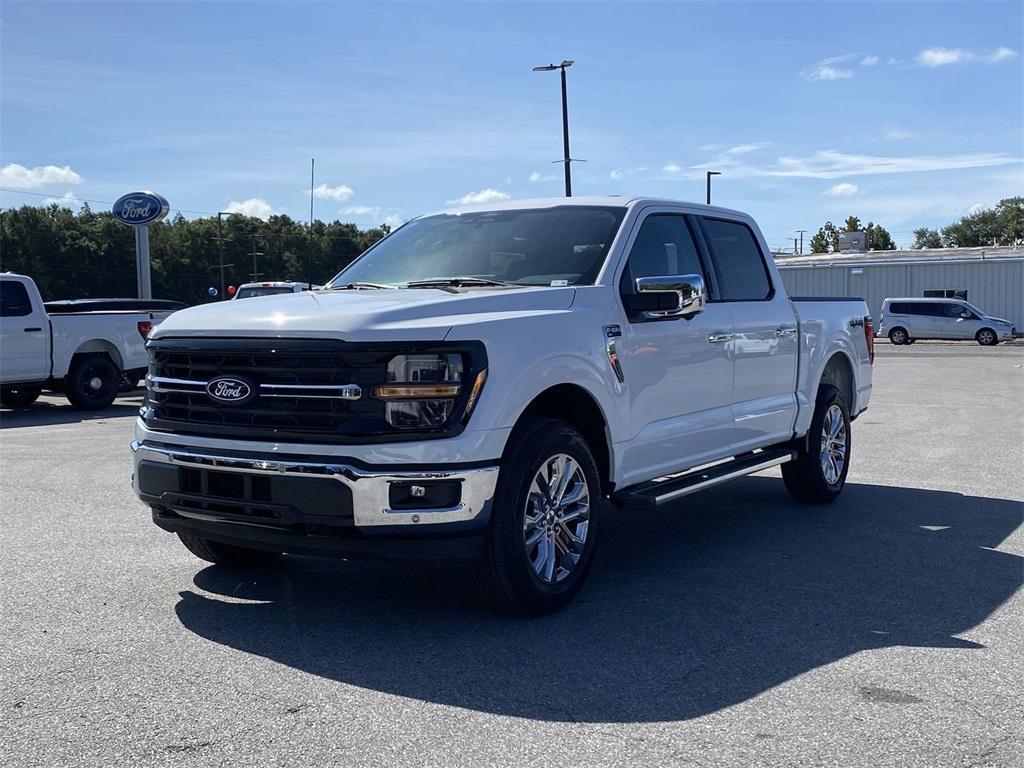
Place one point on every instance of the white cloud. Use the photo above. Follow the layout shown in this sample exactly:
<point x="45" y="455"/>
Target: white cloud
<point x="830" y="69"/>
<point x="830" y="164"/>
<point x="1002" y="53"/>
<point x="944" y="57"/>
<point x="483" y="196"/>
<point x="360" y="210"/>
<point x="941" y="57"/>
<point x="672" y="168"/>
<point x="842" y="190"/>
<point x="869" y="61"/>
<point x="340" y="192"/>
<point x="67" y="200"/>
<point x="256" y="207"/>
<point x="976" y="209"/>
<point x="14" y="175"/>
<point x="893" y="133"/>
<point x="393" y="220"/>
<point x="535" y="177"/>
<point x="620" y="173"/>
<point x="742" y="149"/>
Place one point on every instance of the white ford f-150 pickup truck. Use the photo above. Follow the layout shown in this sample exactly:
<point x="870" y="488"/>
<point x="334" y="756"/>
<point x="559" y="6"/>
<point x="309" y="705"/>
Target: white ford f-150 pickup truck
<point x="479" y="383"/>
<point x="91" y="348"/>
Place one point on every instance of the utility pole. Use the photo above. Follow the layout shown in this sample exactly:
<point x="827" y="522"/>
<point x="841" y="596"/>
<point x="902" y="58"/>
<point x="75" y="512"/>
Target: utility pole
<point x="801" y="232"/>
<point x="220" y="248"/>
<point x="794" y="247"/>
<point x="254" y="253"/>
<point x="309" y="256"/>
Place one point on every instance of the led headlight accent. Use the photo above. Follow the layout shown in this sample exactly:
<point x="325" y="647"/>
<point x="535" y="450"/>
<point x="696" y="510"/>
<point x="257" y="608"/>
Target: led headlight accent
<point x="421" y="389"/>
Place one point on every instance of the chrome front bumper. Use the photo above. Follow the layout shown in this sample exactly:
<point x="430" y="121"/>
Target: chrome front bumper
<point x="370" y="489"/>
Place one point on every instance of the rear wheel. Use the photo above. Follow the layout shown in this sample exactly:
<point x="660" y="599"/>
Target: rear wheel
<point x="818" y="473"/>
<point x="899" y="336"/>
<point x="19" y="395"/>
<point x="540" y="541"/>
<point x="227" y="554"/>
<point x="987" y="337"/>
<point x="92" y="383"/>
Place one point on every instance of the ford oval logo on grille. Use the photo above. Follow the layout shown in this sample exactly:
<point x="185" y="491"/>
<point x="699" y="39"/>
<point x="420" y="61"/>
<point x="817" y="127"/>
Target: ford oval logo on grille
<point x="229" y="390"/>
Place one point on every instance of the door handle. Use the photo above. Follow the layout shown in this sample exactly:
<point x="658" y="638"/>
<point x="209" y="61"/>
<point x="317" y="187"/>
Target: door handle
<point x="719" y="338"/>
<point x="33" y="330"/>
<point x="781" y="332"/>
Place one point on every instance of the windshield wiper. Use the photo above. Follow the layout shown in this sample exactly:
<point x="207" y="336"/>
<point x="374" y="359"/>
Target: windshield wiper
<point x="457" y="282"/>
<point x="358" y="286"/>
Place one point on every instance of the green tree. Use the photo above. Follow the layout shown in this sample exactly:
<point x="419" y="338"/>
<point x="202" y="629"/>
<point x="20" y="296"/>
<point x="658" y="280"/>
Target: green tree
<point x="879" y="238"/>
<point x="1002" y="225"/>
<point x="926" y="238"/>
<point x="827" y="238"/>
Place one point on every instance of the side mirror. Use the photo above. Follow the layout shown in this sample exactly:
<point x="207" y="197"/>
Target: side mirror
<point x="667" y="296"/>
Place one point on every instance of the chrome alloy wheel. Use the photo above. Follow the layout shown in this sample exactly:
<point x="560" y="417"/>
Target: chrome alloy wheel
<point x="557" y="517"/>
<point x="833" y="445"/>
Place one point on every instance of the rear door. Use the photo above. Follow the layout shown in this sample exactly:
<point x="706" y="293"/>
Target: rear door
<point x="677" y="372"/>
<point x="24" y="355"/>
<point x="765" y="341"/>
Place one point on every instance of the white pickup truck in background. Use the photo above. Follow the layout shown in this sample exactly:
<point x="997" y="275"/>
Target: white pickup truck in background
<point x="480" y="381"/>
<point x="90" y="349"/>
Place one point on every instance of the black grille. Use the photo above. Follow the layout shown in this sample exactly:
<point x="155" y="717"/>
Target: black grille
<point x="309" y="363"/>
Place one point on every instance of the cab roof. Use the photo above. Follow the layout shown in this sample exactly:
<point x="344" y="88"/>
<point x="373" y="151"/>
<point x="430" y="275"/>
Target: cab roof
<point x="608" y="201"/>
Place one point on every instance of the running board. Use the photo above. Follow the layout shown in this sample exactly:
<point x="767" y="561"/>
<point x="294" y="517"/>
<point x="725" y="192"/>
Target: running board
<point x="656" y="492"/>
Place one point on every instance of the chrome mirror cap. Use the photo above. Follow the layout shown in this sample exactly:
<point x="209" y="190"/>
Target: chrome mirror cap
<point x="688" y="288"/>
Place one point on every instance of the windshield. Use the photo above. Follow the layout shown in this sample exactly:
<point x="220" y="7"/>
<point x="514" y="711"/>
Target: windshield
<point x="543" y="246"/>
<point x="262" y="290"/>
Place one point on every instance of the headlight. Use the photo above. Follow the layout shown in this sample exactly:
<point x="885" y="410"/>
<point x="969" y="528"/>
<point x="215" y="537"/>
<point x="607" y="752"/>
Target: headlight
<point x="422" y="390"/>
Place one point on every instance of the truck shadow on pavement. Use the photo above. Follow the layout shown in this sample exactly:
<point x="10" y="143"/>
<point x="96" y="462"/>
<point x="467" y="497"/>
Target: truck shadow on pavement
<point x="46" y="413"/>
<point x="688" y="610"/>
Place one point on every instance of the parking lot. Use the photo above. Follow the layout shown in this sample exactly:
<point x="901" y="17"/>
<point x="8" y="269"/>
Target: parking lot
<point x="733" y="629"/>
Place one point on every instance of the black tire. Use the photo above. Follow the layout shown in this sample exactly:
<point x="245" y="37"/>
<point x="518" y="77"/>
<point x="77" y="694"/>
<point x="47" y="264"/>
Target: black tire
<point x="504" y="578"/>
<point x="899" y="336"/>
<point x="227" y="554"/>
<point x="92" y="382"/>
<point x="987" y="337"/>
<point x="19" y="395"/>
<point x="804" y="476"/>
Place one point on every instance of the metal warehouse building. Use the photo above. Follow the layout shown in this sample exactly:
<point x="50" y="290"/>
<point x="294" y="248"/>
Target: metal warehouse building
<point x="993" y="278"/>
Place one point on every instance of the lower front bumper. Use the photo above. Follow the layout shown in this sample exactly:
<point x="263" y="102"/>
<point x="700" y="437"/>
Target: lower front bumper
<point x="299" y="504"/>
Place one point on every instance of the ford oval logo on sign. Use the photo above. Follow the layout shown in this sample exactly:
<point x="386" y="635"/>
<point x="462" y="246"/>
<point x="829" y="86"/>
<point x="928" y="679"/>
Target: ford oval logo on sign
<point x="140" y="208"/>
<point x="229" y="390"/>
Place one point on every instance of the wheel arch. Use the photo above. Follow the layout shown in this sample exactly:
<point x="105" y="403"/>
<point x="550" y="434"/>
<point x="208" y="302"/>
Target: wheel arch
<point x="578" y="407"/>
<point x="100" y="347"/>
<point x="839" y="372"/>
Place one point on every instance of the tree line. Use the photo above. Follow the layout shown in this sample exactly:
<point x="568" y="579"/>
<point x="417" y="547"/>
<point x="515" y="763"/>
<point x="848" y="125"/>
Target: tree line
<point x="1001" y="225"/>
<point x="92" y="255"/>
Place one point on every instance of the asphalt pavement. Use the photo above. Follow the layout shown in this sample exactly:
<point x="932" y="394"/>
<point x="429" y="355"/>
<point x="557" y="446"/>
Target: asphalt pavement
<point x="735" y="628"/>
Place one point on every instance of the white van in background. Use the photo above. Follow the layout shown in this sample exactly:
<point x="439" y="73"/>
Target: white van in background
<point x="905" y="321"/>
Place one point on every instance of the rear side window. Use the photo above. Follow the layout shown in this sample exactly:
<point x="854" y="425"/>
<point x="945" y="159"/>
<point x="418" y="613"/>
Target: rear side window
<point x="739" y="264"/>
<point x="663" y="246"/>
<point x="14" y="300"/>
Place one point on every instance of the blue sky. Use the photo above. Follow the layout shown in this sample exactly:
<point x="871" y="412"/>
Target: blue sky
<point x="907" y="114"/>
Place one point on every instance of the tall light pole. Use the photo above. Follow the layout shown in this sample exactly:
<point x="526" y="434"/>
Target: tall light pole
<point x="220" y="247"/>
<point x="708" y="177"/>
<point x="566" y="160"/>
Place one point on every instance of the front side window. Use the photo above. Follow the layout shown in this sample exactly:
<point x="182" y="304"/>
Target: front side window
<point x="262" y="290"/>
<point x="739" y="264"/>
<point x="663" y="246"/>
<point x="564" y="245"/>
<point x="14" y="301"/>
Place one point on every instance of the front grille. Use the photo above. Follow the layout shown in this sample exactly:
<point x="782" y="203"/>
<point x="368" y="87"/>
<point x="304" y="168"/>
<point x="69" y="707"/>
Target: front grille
<point x="303" y="389"/>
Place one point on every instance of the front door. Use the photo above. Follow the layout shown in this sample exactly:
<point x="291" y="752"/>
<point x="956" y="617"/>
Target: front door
<point x="677" y="372"/>
<point x="23" y="335"/>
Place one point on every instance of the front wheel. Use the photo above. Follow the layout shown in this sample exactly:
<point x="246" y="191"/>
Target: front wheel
<point x="540" y="541"/>
<point x="818" y="473"/>
<point x="19" y="395"/>
<point x="226" y="554"/>
<point x="987" y="337"/>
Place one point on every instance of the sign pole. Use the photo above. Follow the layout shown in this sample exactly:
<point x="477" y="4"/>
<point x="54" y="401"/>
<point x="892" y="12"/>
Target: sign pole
<point x="142" y="261"/>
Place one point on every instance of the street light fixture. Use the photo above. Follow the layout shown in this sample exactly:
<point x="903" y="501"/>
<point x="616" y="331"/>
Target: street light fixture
<point x="566" y="160"/>
<point x="709" y="175"/>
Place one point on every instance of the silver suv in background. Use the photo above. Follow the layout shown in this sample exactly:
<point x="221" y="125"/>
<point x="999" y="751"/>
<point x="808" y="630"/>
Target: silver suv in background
<point x="906" y="320"/>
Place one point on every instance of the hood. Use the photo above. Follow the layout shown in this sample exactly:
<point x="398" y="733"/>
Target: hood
<point x="400" y="314"/>
<point x="998" y="320"/>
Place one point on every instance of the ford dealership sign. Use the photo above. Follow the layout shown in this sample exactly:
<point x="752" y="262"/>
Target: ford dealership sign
<point x="140" y="208"/>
